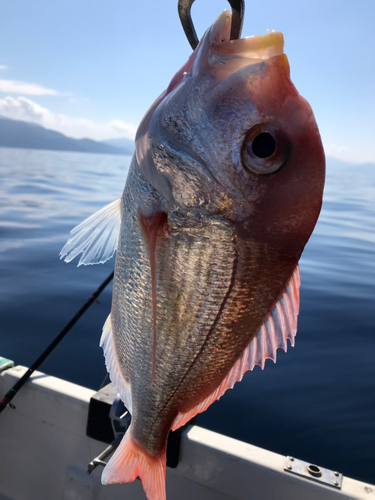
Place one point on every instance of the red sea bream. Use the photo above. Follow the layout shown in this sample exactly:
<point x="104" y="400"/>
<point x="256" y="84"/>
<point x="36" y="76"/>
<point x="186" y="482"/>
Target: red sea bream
<point x="222" y="194"/>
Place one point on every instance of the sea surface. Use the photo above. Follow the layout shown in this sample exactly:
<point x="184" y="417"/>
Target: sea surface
<point x="316" y="403"/>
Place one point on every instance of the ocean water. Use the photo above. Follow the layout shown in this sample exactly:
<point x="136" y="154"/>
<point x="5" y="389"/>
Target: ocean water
<point x="316" y="403"/>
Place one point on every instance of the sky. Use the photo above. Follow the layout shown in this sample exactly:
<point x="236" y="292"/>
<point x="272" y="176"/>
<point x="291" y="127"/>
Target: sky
<point x="92" y="68"/>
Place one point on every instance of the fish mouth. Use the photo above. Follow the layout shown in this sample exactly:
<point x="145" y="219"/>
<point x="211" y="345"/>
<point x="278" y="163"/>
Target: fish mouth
<point x="244" y="51"/>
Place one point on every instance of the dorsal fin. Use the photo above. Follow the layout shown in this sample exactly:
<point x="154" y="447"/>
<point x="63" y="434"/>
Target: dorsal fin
<point x="96" y="238"/>
<point x="280" y="325"/>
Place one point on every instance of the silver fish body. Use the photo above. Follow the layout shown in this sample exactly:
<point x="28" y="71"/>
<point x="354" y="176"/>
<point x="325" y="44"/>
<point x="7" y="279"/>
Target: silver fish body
<point x="195" y="263"/>
<point x="207" y="279"/>
<point x="222" y="195"/>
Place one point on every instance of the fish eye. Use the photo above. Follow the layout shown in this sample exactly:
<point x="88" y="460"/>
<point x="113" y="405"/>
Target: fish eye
<point x="264" y="150"/>
<point x="264" y="145"/>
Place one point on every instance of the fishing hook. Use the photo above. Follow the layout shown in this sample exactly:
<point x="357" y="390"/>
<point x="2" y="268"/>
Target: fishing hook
<point x="184" y="8"/>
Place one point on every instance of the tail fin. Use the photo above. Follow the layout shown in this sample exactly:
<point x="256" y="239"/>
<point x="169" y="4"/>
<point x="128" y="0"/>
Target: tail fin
<point x="131" y="460"/>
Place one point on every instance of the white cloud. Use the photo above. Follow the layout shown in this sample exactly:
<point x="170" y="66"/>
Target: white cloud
<point x="123" y="129"/>
<point x="336" y="151"/>
<point x="22" y="108"/>
<point x="358" y="152"/>
<point x="2" y="67"/>
<point x="14" y="87"/>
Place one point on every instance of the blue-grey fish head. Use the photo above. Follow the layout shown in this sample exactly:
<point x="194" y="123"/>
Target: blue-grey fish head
<point x="232" y="136"/>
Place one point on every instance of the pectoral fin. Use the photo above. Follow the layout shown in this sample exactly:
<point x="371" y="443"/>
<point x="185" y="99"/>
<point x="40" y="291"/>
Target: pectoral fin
<point x="96" y="238"/>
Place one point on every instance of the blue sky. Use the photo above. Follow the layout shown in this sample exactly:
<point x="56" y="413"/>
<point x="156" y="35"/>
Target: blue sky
<point x="92" y="68"/>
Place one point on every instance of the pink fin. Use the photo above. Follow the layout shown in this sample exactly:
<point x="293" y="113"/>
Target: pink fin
<point x="129" y="461"/>
<point x="280" y="325"/>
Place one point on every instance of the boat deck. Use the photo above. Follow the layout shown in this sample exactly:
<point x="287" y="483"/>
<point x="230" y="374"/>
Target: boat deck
<point x="44" y="453"/>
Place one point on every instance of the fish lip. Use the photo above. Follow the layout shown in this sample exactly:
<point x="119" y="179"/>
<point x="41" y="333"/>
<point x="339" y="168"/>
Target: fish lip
<point x="253" y="48"/>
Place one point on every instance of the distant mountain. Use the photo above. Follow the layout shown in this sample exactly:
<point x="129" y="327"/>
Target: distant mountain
<point x="121" y="143"/>
<point x="21" y="134"/>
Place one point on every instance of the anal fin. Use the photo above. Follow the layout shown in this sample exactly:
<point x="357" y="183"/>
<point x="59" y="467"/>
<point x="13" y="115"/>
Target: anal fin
<point x="113" y="365"/>
<point x="279" y="326"/>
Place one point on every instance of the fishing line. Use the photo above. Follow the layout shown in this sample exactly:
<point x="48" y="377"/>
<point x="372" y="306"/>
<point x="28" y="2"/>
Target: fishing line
<point x="21" y="382"/>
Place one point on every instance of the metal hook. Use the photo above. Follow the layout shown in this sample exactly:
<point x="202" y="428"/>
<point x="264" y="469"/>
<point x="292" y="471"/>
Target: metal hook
<point x="184" y="8"/>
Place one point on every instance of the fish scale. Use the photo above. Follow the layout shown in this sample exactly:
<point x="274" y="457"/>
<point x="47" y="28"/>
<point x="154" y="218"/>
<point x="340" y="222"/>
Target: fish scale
<point x="201" y="327"/>
<point x="179" y="328"/>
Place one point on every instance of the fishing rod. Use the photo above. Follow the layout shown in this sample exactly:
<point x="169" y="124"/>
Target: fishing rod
<point x="5" y="401"/>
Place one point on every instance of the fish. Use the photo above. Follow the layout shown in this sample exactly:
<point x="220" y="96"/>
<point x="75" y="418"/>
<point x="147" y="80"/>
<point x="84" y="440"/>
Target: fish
<point x="222" y="195"/>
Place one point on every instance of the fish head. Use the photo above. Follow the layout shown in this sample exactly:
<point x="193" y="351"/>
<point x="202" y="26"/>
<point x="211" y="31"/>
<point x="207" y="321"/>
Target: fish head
<point x="232" y="137"/>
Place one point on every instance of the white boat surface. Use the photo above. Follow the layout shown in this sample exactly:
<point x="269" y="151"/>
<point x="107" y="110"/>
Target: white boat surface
<point x="44" y="453"/>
